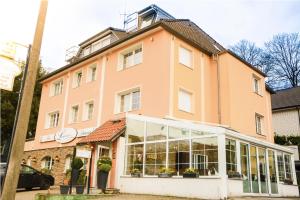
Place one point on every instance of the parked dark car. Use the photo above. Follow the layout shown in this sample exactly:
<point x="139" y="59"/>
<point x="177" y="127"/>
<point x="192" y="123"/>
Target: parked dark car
<point x="30" y="178"/>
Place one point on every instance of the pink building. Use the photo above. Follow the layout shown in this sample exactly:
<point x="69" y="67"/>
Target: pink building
<point x="171" y="85"/>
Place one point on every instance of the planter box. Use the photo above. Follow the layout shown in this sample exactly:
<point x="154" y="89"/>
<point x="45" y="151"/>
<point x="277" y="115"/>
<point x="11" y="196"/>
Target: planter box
<point x="64" y="189"/>
<point x="190" y="175"/>
<point x="164" y="175"/>
<point x="136" y="175"/>
<point x="79" y="189"/>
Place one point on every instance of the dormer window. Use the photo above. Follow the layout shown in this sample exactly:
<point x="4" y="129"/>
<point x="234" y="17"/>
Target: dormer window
<point x="146" y="21"/>
<point x="101" y="43"/>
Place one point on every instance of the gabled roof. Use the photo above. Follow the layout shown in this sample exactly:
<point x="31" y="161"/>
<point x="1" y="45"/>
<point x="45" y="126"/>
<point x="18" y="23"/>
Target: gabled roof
<point x="286" y="98"/>
<point x="108" y="131"/>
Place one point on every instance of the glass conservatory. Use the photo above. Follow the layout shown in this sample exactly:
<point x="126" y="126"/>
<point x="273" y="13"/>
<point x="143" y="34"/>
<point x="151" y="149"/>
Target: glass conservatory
<point x="228" y="163"/>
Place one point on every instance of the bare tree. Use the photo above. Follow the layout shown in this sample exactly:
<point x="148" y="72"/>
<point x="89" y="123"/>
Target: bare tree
<point x="282" y="55"/>
<point x="248" y="51"/>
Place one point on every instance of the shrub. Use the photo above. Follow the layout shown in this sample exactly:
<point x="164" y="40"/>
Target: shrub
<point x="165" y="170"/>
<point x="135" y="171"/>
<point x="105" y="167"/>
<point x="105" y="160"/>
<point x="76" y="163"/>
<point x="81" y="178"/>
<point x="190" y="171"/>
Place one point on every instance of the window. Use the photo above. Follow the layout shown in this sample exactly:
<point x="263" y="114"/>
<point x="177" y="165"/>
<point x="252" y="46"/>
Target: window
<point x="256" y="85"/>
<point x="129" y="101"/>
<point x="254" y="170"/>
<point x="185" y="57"/>
<point x="156" y="132"/>
<point x="258" y="123"/>
<point x="179" y="156"/>
<point x="56" y="88"/>
<point x="88" y="110"/>
<point x="74" y="114"/>
<point x="185" y="101"/>
<point x="288" y="167"/>
<point x="245" y="171"/>
<point x="53" y="119"/>
<point x="272" y="172"/>
<point x="284" y="167"/>
<point x="131" y="57"/>
<point x="134" y="131"/>
<point x="77" y="79"/>
<point x="134" y="158"/>
<point x="147" y="21"/>
<point x="101" y="43"/>
<point x="91" y="73"/>
<point x="87" y="51"/>
<point x="68" y="162"/>
<point x="280" y="163"/>
<point x="155" y="157"/>
<point x="231" y="164"/>
<point x="47" y="163"/>
<point x="262" y="164"/>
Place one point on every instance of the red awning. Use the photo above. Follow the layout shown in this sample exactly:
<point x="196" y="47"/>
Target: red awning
<point x="106" y="132"/>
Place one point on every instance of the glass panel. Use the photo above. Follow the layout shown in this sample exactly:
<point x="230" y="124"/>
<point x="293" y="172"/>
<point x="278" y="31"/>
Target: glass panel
<point x="231" y="165"/>
<point x="280" y="164"/>
<point x="288" y="169"/>
<point x="155" y="158"/>
<point x="199" y="133"/>
<point x="254" y="171"/>
<point x="134" y="157"/>
<point x="156" y="132"/>
<point x="135" y="131"/>
<point x="245" y="168"/>
<point x="205" y="156"/>
<point x="263" y="170"/>
<point x="179" y="156"/>
<point x="272" y="172"/>
<point x="135" y="100"/>
<point x="175" y="133"/>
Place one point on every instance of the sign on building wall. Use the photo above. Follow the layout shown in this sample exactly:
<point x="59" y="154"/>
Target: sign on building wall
<point x="83" y="153"/>
<point x="66" y="135"/>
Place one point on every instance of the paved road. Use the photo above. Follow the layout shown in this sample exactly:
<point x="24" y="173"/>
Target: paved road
<point x="29" y="195"/>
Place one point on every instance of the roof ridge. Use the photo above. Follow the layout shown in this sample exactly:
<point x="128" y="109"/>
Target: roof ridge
<point x="290" y="88"/>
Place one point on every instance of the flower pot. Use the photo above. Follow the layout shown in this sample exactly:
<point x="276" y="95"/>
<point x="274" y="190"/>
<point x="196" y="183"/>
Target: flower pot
<point x="79" y="189"/>
<point x="136" y="175"/>
<point x="102" y="180"/>
<point x="190" y="176"/>
<point x="64" y="189"/>
<point x="164" y="175"/>
<point x="75" y="175"/>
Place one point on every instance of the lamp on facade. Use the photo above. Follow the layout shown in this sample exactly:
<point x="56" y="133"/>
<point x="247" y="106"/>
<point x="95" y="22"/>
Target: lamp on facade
<point x="33" y="159"/>
<point x="56" y="159"/>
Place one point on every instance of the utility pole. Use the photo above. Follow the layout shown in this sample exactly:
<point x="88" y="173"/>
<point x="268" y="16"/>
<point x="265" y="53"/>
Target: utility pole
<point x="13" y="169"/>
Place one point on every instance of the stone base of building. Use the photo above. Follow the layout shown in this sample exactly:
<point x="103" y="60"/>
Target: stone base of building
<point x="58" y="155"/>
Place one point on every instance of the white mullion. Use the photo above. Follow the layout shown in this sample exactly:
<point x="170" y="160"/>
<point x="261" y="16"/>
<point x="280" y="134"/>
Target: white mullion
<point x="238" y="156"/>
<point x="167" y="148"/>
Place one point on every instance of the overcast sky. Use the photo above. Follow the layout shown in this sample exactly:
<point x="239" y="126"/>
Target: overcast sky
<point x="69" y="22"/>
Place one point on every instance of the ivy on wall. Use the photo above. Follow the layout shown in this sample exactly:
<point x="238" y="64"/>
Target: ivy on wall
<point x="287" y="140"/>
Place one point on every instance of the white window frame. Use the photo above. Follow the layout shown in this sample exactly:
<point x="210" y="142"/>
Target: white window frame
<point x="43" y="163"/>
<point x="56" y="121"/>
<point x="100" y="43"/>
<point x="75" y="83"/>
<point x="256" y="83"/>
<point x="85" y="116"/>
<point x="53" y="86"/>
<point x="181" y="52"/>
<point x="71" y="119"/>
<point x="132" y="50"/>
<point x="89" y="72"/>
<point x="259" y="118"/>
<point x="130" y="93"/>
<point x="182" y="107"/>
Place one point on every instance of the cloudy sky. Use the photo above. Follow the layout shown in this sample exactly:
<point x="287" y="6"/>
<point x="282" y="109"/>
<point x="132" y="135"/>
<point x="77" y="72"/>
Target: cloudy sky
<point x="69" y="22"/>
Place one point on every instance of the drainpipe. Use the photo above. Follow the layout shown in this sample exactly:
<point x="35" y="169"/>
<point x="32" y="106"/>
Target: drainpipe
<point x="298" y="109"/>
<point x="216" y="58"/>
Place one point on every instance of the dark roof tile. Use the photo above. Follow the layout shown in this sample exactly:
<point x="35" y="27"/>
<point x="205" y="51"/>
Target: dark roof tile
<point x="286" y="98"/>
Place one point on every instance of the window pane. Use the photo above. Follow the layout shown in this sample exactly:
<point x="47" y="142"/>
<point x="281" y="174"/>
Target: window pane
<point x="185" y="101"/>
<point x="136" y="100"/>
<point x="138" y="56"/>
<point x="272" y="172"/>
<point x="231" y="164"/>
<point x="134" y="157"/>
<point x="155" y="158"/>
<point x="156" y="132"/>
<point x="135" y="131"/>
<point x="245" y="168"/>
<point x="128" y="59"/>
<point x="175" y="133"/>
<point x="185" y="56"/>
<point x="288" y="169"/>
<point x="281" y="172"/>
<point x="205" y="155"/>
<point x="263" y="170"/>
<point x="179" y="156"/>
<point x="199" y="133"/>
<point x="254" y="170"/>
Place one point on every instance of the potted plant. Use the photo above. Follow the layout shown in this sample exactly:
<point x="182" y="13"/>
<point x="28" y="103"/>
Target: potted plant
<point x="76" y="165"/>
<point x="288" y="181"/>
<point x="104" y="166"/>
<point x="165" y="173"/>
<point x="190" y="173"/>
<point x="64" y="189"/>
<point x="234" y="174"/>
<point x="135" y="172"/>
<point x="81" y="182"/>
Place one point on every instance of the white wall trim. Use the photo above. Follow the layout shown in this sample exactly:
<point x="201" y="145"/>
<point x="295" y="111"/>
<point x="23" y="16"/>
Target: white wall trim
<point x="66" y="100"/>
<point x="101" y="92"/>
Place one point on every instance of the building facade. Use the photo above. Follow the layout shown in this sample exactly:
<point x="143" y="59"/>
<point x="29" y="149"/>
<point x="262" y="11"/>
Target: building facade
<point x="168" y="71"/>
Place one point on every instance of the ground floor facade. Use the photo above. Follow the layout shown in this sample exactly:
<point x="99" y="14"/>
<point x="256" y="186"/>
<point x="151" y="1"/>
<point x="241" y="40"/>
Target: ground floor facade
<point x="229" y="163"/>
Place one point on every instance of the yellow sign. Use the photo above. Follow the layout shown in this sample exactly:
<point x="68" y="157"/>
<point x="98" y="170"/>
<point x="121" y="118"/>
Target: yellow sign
<point x="8" y="50"/>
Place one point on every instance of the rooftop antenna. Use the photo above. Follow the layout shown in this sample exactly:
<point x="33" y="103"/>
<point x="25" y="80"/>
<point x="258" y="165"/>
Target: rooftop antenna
<point x="124" y="14"/>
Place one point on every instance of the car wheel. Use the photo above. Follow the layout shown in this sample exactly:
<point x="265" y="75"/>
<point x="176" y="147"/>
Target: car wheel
<point x="28" y="188"/>
<point x="46" y="185"/>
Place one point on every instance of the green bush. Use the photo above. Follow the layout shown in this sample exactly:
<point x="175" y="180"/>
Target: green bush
<point x="81" y="178"/>
<point x="76" y="163"/>
<point x="105" y="167"/>
<point x="190" y="171"/>
<point x="166" y="171"/>
<point x="287" y="140"/>
<point x="135" y="171"/>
